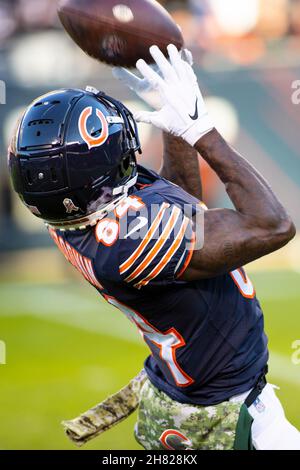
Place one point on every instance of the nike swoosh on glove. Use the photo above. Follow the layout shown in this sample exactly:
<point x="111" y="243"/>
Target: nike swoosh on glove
<point x="183" y="112"/>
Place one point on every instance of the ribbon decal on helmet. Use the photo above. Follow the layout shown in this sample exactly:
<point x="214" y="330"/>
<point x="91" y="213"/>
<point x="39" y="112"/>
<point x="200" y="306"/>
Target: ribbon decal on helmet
<point x="85" y="134"/>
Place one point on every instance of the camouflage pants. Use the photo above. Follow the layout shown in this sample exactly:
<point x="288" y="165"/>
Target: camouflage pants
<point x="166" y="424"/>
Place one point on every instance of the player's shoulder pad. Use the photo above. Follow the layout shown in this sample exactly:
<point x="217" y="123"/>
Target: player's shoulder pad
<point x="149" y="238"/>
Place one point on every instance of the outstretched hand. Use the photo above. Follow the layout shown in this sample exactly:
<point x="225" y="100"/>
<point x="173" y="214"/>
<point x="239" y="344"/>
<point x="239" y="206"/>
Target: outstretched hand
<point x="142" y="87"/>
<point x="182" y="110"/>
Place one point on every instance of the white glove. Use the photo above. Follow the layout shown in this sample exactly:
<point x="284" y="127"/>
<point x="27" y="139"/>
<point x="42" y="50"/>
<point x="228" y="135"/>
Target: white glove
<point x="142" y="87"/>
<point x="183" y="112"/>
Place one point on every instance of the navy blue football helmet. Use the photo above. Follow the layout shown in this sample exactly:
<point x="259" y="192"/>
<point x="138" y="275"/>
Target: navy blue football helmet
<point x="73" y="157"/>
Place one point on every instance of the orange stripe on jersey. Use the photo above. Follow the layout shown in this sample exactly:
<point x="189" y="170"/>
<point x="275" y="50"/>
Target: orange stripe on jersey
<point x="188" y="259"/>
<point x="130" y="261"/>
<point x="158" y="245"/>
<point x="168" y="255"/>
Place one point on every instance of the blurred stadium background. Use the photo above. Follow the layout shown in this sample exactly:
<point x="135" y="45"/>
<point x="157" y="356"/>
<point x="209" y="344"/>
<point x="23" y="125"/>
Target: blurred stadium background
<point x="66" y="350"/>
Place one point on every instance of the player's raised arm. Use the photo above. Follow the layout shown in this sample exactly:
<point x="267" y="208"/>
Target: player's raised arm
<point x="181" y="165"/>
<point x="180" y="159"/>
<point x="259" y="224"/>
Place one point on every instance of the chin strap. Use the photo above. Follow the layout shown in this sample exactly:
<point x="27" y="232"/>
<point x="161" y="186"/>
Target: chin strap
<point x="125" y="188"/>
<point x="90" y="220"/>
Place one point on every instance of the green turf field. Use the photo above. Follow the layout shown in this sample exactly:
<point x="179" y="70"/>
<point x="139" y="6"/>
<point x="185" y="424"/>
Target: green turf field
<point x="67" y="350"/>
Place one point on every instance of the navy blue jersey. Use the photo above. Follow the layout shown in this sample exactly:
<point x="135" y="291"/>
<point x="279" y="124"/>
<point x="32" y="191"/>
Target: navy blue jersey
<point x="206" y="337"/>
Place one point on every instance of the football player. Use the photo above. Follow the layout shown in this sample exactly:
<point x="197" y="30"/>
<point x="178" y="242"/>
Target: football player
<point x="138" y="239"/>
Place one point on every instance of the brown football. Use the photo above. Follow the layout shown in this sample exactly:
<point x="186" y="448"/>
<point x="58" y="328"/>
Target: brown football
<point x="119" y="32"/>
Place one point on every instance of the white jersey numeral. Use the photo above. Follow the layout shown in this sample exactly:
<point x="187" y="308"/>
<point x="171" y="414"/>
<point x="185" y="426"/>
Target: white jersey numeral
<point x="167" y="342"/>
<point x="131" y="202"/>
<point x="243" y="283"/>
<point x="107" y="231"/>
